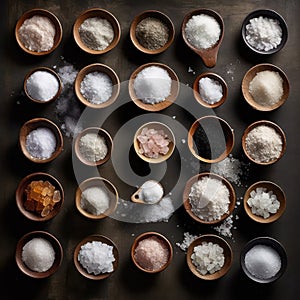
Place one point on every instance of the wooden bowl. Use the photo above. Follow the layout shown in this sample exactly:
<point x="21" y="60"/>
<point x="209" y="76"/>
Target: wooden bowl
<point x="160" y="105"/>
<point x="97" y="67"/>
<point x="97" y="13"/>
<point x="248" y="77"/>
<point x="215" y="239"/>
<point x="208" y="56"/>
<point x="209" y="123"/>
<point x="156" y="126"/>
<point x="33" y="124"/>
<point x="43" y="69"/>
<point x="215" y="77"/>
<point x="99" y="238"/>
<point x="102" y="133"/>
<point x="265" y="123"/>
<point x="187" y="190"/>
<point x="267" y="13"/>
<point x="42" y="12"/>
<point x="270" y="186"/>
<point x="97" y="182"/>
<point x="146" y="235"/>
<point x="21" y="196"/>
<point x="56" y="246"/>
<point x="157" y="15"/>
<point x="266" y="241"/>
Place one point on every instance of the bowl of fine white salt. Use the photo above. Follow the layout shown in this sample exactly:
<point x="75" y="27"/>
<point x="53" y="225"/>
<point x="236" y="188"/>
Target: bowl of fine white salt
<point x="263" y="259"/>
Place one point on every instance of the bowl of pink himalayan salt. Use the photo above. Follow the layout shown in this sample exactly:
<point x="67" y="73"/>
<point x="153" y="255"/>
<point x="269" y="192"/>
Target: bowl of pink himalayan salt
<point x="38" y="32"/>
<point x="154" y="142"/>
<point x="151" y="252"/>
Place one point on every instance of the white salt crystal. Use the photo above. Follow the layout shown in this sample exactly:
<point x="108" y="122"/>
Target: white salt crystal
<point x="210" y="90"/>
<point x="151" y="191"/>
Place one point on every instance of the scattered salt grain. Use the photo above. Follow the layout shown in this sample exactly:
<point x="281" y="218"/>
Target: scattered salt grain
<point x="151" y="192"/>
<point x="225" y="227"/>
<point x="210" y="90"/>
<point x="187" y="240"/>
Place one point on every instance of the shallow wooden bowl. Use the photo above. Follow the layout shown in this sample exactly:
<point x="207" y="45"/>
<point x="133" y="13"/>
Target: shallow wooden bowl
<point x="267" y="13"/>
<point x="208" y="56"/>
<point x="212" y="76"/>
<point x="215" y="239"/>
<point x="272" y="125"/>
<point x="157" y="15"/>
<point x="101" y="132"/>
<point x="267" y="241"/>
<point x="250" y="74"/>
<point x="33" y="124"/>
<point x="157" y="126"/>
<point x="21" y="196"/>
<point x="97" y="67"/>
<point x="99" y="238"/>
<point x="43" y="69"/>
<point x="146" y="235"/>
<point x="55" y="244"/>
<point x="187" y="190"/>
<point x="227" y="131"/>
<point x="157" y="106"/>
<point x="100" y="13"/>
<point x="42" y="12"/>
<point x="270" y="186"/>
<point x="97" y="182"/>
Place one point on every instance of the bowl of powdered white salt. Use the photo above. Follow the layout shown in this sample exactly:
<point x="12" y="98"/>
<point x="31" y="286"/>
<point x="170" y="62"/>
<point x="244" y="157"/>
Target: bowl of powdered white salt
<point x="153" y="86"/>
<point x="264" y="142"/>
<point x="209" y="257"/>
<point x="38" y="254"/>
<point x="40" y="140"/>
<point x="210" y="89"/>
<point x="96" y="198"/>
<point x="97" y="85"/>
<point x="96" y="257"/>
<point x="93" y="146"/>
<point x="264" y="202"/>
<point x="264" y="31"/>
<point x="96" y="31"/>
<point x="151" y="252"/>
<point x="38" y="32"/>
<point x="152" y="32"/>
<point x="265" y="87"/>
<point x="208" y="198"/>
<point x="42" y="85"/>
<point x="263" y="259"/>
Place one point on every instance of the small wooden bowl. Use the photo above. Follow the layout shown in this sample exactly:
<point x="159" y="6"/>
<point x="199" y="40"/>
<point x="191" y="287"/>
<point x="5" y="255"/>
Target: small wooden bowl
<point x="208" y="56"/>
<point x="43" y="69"/>
<point x="215" y="239"/>
<point x="266" y="13"/>
<point x="102" y="133"/>
<point x="157" y="15"/>
<point x="248" y="77"/>
<point x="212" y="76"/>
<point x="146" y="235"/>
<point x="227" y="131"/>
<point x="156" y="126"/>
<point x="34" y="124"/>
<point x="266" y="241"/>
<point x="21" y="196"/>
<point x="99" y="238"/>
<point x="157" y="106"/>
<point x="97" y="182"/>
<point x="97" y="67"/>
<point x="42" y="12"/>
<point x="187" y="190"/>
<point x="97" y="13"/>
<point x="56" y="246"/>
<point x="265" y="123"/>
<point x="270" y="186"/>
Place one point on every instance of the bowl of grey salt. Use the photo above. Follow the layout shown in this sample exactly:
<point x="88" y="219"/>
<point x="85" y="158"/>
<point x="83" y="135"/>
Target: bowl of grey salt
<point x="96" y="31"/>
<point x="264" y="31"/>
<point x="263" y="259"/>
<point x="39" y="254"/>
